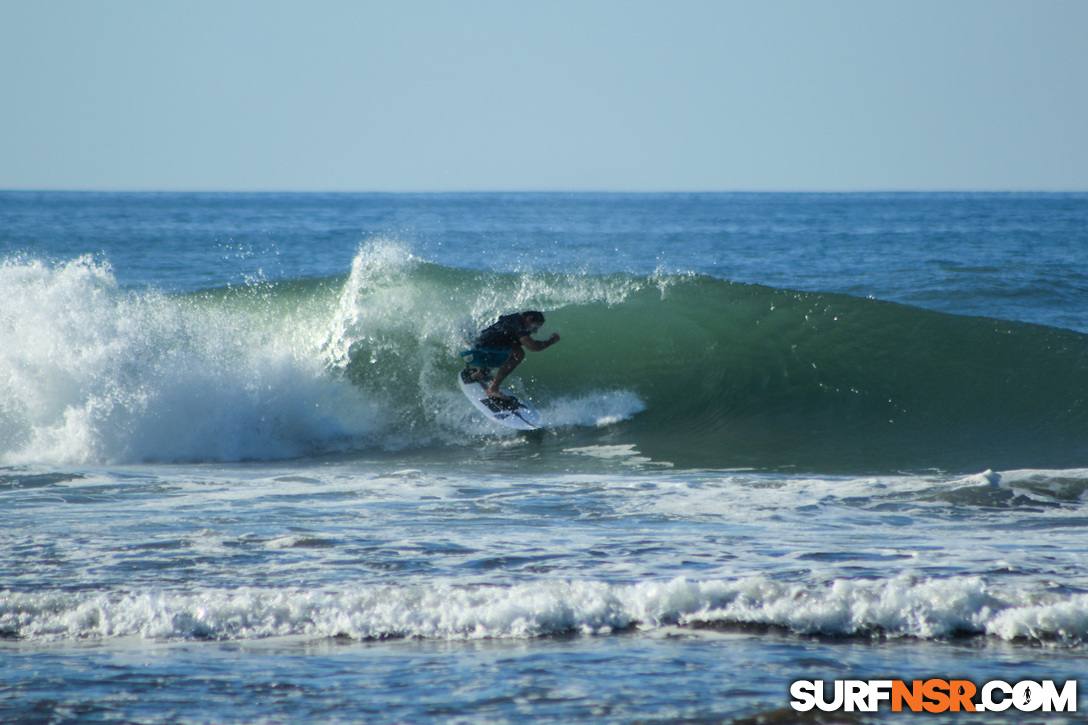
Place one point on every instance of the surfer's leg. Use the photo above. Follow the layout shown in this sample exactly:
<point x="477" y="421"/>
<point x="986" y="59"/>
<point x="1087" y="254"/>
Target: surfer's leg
<point x="517" y="354"/>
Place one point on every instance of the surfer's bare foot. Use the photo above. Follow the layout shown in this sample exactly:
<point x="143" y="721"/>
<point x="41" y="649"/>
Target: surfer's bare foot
<point x="497" y="395"/>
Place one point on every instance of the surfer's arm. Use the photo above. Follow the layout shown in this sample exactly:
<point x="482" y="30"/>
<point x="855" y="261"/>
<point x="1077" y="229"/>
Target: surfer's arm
<point x="538" y="345"/>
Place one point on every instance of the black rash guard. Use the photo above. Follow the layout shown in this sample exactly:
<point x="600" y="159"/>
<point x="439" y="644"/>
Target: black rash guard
<point x="507" y="332"/>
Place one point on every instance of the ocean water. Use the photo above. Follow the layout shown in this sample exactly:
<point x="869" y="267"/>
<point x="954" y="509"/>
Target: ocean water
<point x="790" y="437"/>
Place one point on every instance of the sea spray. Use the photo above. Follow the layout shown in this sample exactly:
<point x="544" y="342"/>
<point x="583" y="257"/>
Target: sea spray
<point x="400" y="323"/>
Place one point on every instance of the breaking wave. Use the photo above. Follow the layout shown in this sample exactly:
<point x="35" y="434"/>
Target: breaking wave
<point x="894" y="608"/>
<point x="689" y="370"/>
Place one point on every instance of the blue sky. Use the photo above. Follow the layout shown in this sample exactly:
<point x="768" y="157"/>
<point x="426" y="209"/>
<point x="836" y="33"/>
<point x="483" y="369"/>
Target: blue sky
<point x="624" y="95"/>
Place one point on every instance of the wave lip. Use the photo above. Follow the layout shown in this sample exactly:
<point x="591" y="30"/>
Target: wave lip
<point x="894" y="608"/>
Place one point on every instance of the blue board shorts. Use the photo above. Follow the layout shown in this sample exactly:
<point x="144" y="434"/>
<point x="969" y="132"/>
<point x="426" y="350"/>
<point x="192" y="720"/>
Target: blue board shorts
<point x="486" y="357"/>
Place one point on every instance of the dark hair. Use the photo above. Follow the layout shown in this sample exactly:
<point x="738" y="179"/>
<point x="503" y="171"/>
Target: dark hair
<point x="533" y="316"/>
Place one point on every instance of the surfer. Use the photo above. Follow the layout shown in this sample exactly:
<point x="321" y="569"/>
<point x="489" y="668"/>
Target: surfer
<point x="503" y="344"/>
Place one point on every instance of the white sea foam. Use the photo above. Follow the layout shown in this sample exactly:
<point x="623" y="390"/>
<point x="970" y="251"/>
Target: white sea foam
<point x="90" y="372"/>
<point x="901" y="607"/>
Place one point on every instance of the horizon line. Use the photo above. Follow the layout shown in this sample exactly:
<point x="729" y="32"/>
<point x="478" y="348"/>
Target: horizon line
<point x="451" y="192"/>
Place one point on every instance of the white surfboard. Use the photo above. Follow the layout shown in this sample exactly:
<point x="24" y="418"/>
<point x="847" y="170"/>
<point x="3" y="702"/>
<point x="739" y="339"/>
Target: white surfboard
<point x="512" y="414"/>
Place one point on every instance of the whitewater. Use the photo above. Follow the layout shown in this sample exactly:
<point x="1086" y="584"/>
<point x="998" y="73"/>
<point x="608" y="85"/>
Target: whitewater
<point x="790" y="436"/>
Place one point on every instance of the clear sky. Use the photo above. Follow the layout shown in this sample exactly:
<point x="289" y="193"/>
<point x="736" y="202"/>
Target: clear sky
<point x="624" y="95"/>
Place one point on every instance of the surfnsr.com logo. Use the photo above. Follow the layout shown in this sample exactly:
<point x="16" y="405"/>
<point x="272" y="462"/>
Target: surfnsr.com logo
<point x="933" y="695"/>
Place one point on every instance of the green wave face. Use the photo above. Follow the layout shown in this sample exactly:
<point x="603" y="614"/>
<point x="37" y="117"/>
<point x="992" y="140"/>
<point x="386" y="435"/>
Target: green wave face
<point x="736" y="375"/>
